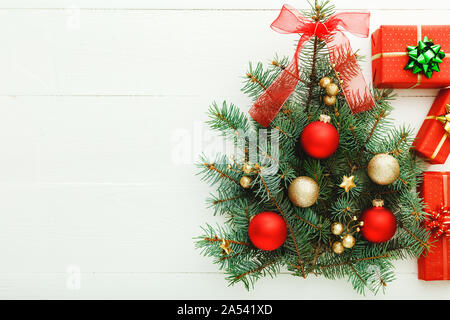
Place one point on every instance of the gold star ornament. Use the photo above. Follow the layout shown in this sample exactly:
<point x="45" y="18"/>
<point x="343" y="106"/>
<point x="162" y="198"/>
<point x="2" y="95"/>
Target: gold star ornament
<point x="348" y="183"/>
<point x="225" y="245"/>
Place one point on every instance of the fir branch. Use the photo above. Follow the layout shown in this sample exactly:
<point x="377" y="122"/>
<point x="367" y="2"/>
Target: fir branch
<point x="291" y="232"/>
<point x="281" y="66"/>
<point x="256" y="270"/>
<point x="312" y="77"/>
<point x="253" y="78"/>
<point x="234" y="255"/>
<point x="356" y="273"/>
<point x="351" y="262"/>
<point x="307" y="222"/>
<point x="212" y="167"/>
<point x="378" y="118"/>
<point x="228" y="119"/>
<point x="217" y="201"/>
<point x="217" y="239"/>
<point x="284" y="132"/>
<point x="352" y="129"/>
<point x="422" y="243"/>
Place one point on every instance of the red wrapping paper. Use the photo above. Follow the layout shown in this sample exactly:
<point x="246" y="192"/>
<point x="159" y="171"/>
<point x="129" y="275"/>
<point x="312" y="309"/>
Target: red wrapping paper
<point x="432" y="141"/>
<point x="389" y="56"/>
<point x="435" y="263"/>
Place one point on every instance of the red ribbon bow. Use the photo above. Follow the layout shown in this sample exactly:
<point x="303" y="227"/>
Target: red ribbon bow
<point x="355" y="89"/>
<point x="438" y="222"/>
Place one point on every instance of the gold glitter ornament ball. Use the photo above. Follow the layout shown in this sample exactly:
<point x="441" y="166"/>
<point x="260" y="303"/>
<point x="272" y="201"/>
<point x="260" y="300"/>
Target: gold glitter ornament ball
<point x="338" y="248"/>
<point x="246" y="182"/>
<point x="332" y="89"/>
<point x="348" y="241"/>
<point x="324" y="82"/>
<point x="337" y="228"/>
<point x="383" y="169"/>
<point x="303" y="192"/>
<point x="329" y="101"/>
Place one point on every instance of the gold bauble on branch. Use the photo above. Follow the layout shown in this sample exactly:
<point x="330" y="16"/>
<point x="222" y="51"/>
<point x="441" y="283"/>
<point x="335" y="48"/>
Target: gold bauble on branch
<point x="329" y="101"/>
<point x="383" y="169"/>
<point x="245" y="182"/>
<point x="348" y="241"/>
<point x="332" y="89"/>
<point x="303" y="191"/>
<point x="337" y="247"/>
<point x="324" y="82"/>
<point x="337" y="228"/>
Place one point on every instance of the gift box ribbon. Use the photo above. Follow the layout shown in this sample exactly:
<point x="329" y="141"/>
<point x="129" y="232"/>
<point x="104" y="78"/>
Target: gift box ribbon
<point x="407" y="53"/>
<point x="438" y="222"/>
<point x="425" y="57"/>
<point x="353" y="85"/>
<point x="445" y="120"/>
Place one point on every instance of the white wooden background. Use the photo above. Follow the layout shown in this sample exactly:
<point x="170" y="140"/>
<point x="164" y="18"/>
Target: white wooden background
<point x="101" y="105"/>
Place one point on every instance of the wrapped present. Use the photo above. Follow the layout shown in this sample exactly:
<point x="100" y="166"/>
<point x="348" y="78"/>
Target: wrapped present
<point x="411" y="56"/>
<point x="435" y="190"/>
<point x="433" y="141"/>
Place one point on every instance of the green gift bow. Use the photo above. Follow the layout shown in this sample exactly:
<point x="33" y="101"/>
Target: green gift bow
<point x="425" y="57"/>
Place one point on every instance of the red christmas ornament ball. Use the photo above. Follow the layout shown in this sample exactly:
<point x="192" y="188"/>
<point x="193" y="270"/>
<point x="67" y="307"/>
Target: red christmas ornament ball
<point x="267" y="230"/>
<point x="379" y="224"/>
<point x="320" y="139"/>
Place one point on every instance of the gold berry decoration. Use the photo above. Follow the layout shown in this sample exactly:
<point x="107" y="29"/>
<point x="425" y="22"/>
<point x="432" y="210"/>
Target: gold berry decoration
<point x="324" y="82"/>
<point x="348" y="241"/>
<point x="337" y="228"/>
<point x="329" y="101"/>
<point x="338" y="247"/>
<point x="245" y="182"/>
<point x="247" y="168"/>
<point x="332" y="89"/>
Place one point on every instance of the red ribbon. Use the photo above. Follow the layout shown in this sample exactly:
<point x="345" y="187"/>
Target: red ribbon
<point x="438" y="222"/>
<point x="355" y="89"/>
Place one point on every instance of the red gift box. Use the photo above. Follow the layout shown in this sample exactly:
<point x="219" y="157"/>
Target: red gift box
<point x="389" y="56"/>
<point x="433" y="141"/>
<point x="435" y="263"/>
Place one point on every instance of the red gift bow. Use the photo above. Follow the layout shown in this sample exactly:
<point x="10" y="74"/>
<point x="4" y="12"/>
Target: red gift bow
<point x="438" y="222"/>
<point x="355" y="89"/>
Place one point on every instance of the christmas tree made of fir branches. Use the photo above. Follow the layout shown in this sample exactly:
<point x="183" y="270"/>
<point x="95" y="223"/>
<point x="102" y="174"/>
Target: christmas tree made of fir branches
<point x="308" y="249"/>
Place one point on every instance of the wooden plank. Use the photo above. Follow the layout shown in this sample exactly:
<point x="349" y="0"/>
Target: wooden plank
<point x="127" y="140"/>
<point x="46" y="228"/>
<point x="139" y="52"/>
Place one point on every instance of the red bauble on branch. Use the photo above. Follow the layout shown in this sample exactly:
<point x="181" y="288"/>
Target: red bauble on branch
<point x="320" y="139"/>
<point x="267" y="231"/>
<point x="379" y="223"/>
